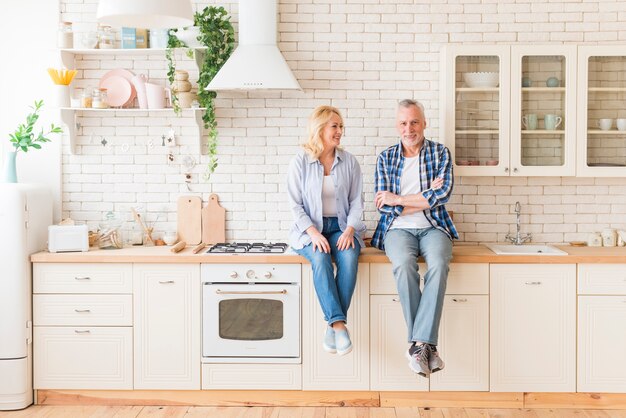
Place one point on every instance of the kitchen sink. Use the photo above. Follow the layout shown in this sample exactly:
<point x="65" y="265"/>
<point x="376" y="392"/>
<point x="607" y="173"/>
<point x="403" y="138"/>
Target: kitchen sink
<point x="510" y="249"/>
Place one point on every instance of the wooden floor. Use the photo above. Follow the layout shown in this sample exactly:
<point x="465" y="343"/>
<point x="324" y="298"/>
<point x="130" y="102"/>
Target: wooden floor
<point x="92" y="411"/>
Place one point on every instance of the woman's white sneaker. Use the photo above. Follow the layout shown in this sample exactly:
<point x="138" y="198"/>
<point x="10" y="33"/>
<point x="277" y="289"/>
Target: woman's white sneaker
<point x="343" y="342"/>
<point x="329" y="341"/>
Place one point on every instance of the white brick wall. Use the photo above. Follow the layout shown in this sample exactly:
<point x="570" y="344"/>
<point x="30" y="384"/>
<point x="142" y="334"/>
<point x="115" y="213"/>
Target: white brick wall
<point x="361" y="56"/>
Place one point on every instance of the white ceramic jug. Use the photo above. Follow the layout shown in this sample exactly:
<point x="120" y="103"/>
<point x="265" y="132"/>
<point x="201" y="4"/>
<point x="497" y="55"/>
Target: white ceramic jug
<point x="157" y="96"/>
<point x="139" y="81"/>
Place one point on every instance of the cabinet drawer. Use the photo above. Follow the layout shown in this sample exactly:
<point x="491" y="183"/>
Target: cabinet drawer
<point x="463" y="279"/>
<point x="111" y="310"/>
<point x="82" y="278"/>
<point x="252" y="376"/>
<point x="602" y="279"/>
<point x="83" y="358"/>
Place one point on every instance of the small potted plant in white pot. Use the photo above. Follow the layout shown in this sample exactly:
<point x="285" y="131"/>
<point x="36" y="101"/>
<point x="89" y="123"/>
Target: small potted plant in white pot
<point x="25" y="138"/>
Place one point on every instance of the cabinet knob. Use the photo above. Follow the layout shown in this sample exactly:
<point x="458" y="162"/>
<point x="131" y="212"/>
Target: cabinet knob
<point x="459" y="300"/>
<point x="506" y="169"/>
<point x="82" y="331"/>
<point x="166" y="281"/>
<point x="515" y="170"/>
<point x="82" y="310"/>
<point x="82" y="278"/>
<point x="267" y="274"/>
<point x="233" y="275"/>
<point x="395" y="300"/>
<point x="533" y="283"/>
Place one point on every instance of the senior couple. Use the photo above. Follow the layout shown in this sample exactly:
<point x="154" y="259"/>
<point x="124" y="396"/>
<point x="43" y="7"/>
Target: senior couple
<point x="413" y="182"/>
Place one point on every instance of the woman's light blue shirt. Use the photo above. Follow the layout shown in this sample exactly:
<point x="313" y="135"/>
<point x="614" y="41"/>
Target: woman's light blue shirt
<point x="304" y="185"/>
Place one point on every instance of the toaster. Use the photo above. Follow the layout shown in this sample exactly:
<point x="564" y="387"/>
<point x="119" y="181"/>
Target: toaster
<point x="68" y="238"/>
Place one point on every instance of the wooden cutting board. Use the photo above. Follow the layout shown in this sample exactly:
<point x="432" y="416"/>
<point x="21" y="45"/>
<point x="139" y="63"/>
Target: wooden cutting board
<point x="189" y="219"/>
<point x="213" y="222"/>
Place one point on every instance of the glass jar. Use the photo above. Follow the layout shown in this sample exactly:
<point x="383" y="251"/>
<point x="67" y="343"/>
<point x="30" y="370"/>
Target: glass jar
<point x="86" y="100"/>
<point x="106" y="37"/>
<point x="111" y="236"/>
<point x="100" y="99"/>
<point x="65" y="35"/>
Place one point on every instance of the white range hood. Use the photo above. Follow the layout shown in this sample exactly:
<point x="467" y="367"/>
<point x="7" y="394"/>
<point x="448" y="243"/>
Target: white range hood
<point x="256" y="63"/>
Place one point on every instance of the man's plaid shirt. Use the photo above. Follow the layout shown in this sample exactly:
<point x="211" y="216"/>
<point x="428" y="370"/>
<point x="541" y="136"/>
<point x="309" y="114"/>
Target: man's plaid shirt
<point x="435" y="162"/>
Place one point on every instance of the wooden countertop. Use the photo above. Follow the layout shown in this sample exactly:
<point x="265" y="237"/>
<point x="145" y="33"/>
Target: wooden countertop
<point x="460" y="254"/>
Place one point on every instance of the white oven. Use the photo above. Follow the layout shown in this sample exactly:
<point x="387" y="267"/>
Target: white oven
<point x="250" y="313"/>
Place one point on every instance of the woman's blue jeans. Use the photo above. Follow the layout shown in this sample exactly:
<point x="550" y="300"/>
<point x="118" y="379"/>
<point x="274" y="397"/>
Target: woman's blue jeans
<point x="421" y="309"/>
<point x="333" y="292"/>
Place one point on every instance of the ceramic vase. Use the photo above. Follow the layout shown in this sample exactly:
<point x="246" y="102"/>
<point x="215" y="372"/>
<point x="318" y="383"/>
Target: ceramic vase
<point x="9" y="172"/>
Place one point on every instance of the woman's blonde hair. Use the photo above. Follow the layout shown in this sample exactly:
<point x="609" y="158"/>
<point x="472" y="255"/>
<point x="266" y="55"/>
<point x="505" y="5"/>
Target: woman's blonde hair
<point x="317" y="121"/>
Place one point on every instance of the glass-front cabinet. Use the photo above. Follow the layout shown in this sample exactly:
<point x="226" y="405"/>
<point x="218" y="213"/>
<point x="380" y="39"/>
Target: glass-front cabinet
<point x="601" y="111"/>
<point x="509" y="110"/>
<point x="543" y="109"/>
<point x="475" y="108"/>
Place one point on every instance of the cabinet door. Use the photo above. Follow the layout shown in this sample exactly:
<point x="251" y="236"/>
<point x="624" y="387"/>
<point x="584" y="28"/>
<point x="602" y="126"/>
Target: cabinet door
<point x="389" y="366"/>
<point x="324" y="371"/>
<point x="601" y="344"/>
<point x="543" y="109"/>
<point x="167" y="326"/>
<point x="533" y="328"/>
<point x="464" y="344"/>
<point x="601" y="96"/>
<point x="475" y="111"/>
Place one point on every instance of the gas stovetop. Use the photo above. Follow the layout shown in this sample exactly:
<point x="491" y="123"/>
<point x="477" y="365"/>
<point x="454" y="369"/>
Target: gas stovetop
<point x="244" y="247"/>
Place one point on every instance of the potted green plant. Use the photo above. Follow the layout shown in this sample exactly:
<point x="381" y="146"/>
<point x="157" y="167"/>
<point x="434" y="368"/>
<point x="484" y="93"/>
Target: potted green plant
<point x="25" y="138"/>
<point x="218" y="36"/>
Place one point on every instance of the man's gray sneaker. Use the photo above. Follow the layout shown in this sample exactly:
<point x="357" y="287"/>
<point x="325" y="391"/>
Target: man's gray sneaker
<point x="418" y="359"/>
<point x="435" y="363"/>
<point x="329" y="341"/>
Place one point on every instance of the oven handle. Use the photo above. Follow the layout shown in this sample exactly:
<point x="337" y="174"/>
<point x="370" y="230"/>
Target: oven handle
<point x="242" y="292"/>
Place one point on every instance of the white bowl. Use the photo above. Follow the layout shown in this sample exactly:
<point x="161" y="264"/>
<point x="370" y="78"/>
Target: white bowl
<point x="483" y="79"/>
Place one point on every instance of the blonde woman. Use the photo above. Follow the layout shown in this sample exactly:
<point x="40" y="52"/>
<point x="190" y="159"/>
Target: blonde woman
<point x="325" y="195"/>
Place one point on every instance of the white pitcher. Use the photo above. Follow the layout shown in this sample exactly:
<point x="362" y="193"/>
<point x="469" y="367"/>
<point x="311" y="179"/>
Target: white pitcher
<point x="157" y="96"/>
<point x="139" y="81"/>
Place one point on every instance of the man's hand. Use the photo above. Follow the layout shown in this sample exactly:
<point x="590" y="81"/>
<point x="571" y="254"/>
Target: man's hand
<point x="318" y="240"/>
<point x="346" y="240"/>
<point x="436" y="184"/>
<point x="386" y="198"/>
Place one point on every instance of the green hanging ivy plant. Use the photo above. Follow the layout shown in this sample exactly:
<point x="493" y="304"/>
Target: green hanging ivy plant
<point x="218" y="35"/>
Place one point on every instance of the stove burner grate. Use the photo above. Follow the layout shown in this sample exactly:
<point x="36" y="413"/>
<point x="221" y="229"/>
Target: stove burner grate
<point x="243" y="247"/>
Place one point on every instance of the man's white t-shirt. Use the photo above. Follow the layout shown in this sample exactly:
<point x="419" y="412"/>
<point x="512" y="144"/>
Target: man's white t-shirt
<point x="410" y="184"/>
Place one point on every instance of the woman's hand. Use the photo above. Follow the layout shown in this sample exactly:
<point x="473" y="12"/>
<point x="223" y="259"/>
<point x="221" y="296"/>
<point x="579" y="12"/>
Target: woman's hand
<point x="346" y="240"/>
<point x="318" y="240"/>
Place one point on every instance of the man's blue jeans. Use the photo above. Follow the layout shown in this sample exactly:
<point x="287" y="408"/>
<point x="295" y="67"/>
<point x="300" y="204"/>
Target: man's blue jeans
<point x="421" y="310"/>
<point x="333" y="293"/>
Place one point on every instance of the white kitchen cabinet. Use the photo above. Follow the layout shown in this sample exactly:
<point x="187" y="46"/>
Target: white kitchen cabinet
<point x="483" y="125"/>
<point x="463" y="334"/>
<point x="325" y="371"/>
<point x="601" y="340"/>
<point x="167" y="326"/>
<point x="71" y="116"/>
<point x="82" y="316"/>
<point x="533" y="327"/>
<point x="601" y="95"/>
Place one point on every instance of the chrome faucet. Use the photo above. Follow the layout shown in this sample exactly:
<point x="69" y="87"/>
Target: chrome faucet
<point x="518" y="238"/>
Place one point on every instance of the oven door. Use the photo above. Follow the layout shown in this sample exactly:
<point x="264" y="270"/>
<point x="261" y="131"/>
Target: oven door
<point x="251" y="320"/>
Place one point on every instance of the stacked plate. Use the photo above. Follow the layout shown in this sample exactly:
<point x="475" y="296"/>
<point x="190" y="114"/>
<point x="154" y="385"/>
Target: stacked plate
<point x="120" y="91"/>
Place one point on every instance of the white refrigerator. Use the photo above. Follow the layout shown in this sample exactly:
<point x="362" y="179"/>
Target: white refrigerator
<point x="25" y="214"/>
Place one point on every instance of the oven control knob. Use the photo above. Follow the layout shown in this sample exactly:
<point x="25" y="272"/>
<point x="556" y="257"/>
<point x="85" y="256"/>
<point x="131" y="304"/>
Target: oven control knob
<point x="233" y="275"/>
<point x="267" y="275"/>
<point x="250" y="274"/>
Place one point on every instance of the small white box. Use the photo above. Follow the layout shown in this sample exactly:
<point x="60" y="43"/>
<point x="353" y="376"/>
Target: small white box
<point x="68" y="238"/>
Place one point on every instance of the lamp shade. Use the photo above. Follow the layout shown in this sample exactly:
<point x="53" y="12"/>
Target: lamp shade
<point x="152" y="14"/>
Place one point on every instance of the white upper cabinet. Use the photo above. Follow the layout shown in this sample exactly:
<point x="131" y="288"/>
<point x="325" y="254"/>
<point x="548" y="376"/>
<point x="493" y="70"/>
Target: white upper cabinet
<point x="475" y="108"/>
<point x="601" y="111"/>
<point x="510" y="110"/>
<point x="543" y="109"/>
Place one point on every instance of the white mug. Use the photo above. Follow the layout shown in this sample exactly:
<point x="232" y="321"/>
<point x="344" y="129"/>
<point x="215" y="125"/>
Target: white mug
<point x="156" y="96"/>
<point x="621" y="124"/>
<point x="605" y="124"/>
